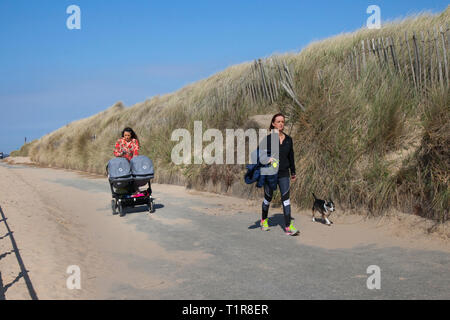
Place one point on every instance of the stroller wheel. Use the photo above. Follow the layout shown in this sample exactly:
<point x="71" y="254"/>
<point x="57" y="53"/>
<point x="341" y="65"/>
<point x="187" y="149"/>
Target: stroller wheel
<point x="121" y="210"/>
<point x="114" y="206"/>
<point x="151" y="206"/>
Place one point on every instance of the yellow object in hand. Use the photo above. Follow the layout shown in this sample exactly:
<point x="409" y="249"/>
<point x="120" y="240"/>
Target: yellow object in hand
<point x="275" y="163"/>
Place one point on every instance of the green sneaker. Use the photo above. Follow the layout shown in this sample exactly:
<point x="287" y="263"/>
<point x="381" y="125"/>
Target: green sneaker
<point x="291" y="230"/>
<point x="265" y="225"/>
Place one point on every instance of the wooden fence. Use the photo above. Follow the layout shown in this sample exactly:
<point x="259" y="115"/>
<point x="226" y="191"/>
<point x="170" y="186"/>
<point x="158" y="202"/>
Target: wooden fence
<point x="268" y="79"/>
<point x="420" y="57"/>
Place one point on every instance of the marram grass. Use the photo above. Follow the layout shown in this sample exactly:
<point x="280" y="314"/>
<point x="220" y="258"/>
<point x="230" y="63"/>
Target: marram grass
<point x="371" y="144"/>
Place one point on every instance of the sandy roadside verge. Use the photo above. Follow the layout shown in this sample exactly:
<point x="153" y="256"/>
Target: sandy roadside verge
<point x="348" y="230"/>
<point x="57" y="226"/>
<point x="45" y="241"/>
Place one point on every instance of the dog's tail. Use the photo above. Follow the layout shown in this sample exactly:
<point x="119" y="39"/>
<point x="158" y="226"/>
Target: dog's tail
<point x="314" y="196"/>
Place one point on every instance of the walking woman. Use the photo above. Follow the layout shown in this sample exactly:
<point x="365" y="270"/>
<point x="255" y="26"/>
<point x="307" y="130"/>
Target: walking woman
<point x="128" y="145"/>
<point x="286" y="173"/>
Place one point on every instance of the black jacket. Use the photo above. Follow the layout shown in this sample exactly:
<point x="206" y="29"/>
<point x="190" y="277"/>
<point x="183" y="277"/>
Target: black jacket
<point x="286" y="156"/>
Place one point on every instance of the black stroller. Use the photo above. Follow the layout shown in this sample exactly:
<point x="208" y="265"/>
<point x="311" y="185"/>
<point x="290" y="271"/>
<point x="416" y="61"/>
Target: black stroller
<point x="126" y="179"/>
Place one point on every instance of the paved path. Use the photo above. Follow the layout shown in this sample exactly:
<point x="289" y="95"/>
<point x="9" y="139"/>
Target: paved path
<point x="195" y="246"/>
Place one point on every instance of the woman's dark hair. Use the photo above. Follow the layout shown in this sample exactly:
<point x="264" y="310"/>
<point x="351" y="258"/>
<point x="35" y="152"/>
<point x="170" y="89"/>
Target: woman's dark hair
<point x="273" y="119"/>
<point x="133" y="134"/>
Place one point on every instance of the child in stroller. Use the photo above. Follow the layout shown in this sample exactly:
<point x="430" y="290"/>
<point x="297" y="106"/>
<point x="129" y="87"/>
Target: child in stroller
<point x="126" y="178"/>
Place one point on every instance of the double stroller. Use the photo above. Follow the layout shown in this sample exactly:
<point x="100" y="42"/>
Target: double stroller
<point x="126" y="179"/>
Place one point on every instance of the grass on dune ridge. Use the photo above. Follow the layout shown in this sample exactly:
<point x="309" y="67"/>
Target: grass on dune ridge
<point x="373" y="143"/>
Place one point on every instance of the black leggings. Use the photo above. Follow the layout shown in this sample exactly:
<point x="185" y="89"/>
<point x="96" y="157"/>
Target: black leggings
<point x="284" y="184"/>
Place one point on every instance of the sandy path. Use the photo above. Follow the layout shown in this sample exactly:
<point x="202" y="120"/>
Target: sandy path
<point x="60" y="218"/>
<point x="57" y="226"/>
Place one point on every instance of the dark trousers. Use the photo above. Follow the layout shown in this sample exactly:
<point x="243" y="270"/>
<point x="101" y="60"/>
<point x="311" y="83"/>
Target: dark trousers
<point x="284" y="184"/>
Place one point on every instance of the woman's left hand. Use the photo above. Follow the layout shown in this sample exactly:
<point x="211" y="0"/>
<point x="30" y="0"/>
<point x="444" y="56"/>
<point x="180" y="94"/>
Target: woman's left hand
<point x="293" y="178"/>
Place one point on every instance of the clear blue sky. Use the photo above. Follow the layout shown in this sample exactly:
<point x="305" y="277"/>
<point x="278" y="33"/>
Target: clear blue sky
<point x="132" y="50"/>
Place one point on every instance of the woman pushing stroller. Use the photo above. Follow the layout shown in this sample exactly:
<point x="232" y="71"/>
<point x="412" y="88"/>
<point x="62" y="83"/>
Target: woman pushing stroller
<point x="126" y="177"/>
<point x="128" y="145"/>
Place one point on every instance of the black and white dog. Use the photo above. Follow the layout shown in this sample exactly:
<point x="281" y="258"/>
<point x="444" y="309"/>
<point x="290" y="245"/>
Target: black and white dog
<point x="324" y="207"/>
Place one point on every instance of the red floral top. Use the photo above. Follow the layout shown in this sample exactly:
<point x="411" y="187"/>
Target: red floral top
<point x="126" y="149"/>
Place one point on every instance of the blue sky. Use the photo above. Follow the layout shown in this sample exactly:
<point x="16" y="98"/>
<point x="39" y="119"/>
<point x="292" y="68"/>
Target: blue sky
<point x="132" y="50"/>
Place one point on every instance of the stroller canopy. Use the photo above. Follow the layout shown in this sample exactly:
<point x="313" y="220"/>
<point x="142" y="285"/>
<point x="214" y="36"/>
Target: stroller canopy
<point x="119" y="168"/>
<point x="142" y="166"/>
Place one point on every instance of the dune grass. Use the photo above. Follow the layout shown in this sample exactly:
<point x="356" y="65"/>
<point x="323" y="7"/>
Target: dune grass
<point x="370" y="144"/>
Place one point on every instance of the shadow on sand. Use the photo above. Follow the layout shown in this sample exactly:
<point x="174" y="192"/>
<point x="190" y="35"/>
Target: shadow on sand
<point x="277" y="220"/>
<point x="23" y="271"/>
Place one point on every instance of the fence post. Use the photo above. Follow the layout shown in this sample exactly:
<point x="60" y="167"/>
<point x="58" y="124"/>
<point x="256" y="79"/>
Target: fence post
<point x="394" y="56"/>
<point x="356" y="63"/>
<point x="418" y="66"/>
<point x="250" y="83"/>
<point x="401" y="58"/>
<point x="257" y="82"/>
<point x="252" y="97"/>
<point x="252" y="75"/>
<point x="379" y="48"/>
<point x="271" y="90"/>
<point x="271" y="80"/>
<point x="410" y="59"/>
<point x="277" y="88"/>
<point x="225" y="105"/>
<point x="279" y="69"/>
<point x="363" y="55"/>
<point x="246" y="93"/>
<point x="445" y="55"/>
<point x="386" y="60"/>
<point x="424" y="62"/>
<point x="268" y="76"/>
<point x="252" y="88"/>
<point x="441" y="78"/>
<point x="266" y="94"/>
<point x="375" y="50"/>
<point x="431" y="51"/>
<point x="385" y="44"/>
<point x="348" y="63"/>
<point x="255" y="91"/>
<point x="400" y="54"/>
